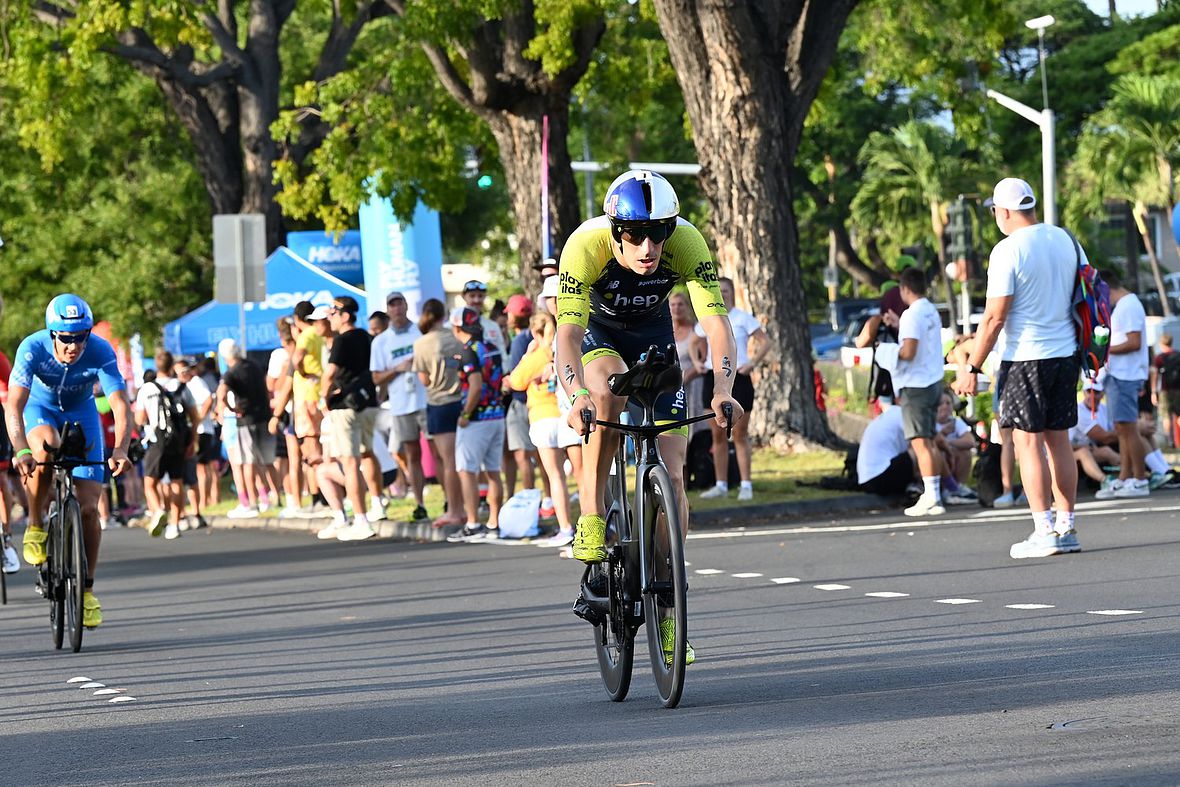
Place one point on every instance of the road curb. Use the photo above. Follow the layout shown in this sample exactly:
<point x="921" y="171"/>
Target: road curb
<point x="713" y="519"/>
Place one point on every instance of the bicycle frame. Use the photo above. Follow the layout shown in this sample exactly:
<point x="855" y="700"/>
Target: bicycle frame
<point x="635" y="551"/>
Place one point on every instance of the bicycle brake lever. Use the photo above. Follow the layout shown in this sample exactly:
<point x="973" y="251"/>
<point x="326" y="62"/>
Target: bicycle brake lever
<point x="587" y="420"/>
<point x="727" y="411"/>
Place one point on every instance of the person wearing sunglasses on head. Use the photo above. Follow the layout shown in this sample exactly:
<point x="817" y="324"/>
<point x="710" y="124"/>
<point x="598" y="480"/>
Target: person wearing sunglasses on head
<point x="53" y="384"/>
<point x="616" y="273"/>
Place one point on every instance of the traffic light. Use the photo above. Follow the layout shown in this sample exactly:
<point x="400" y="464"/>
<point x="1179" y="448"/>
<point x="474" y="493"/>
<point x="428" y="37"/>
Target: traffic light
<point x="962" y="246"/>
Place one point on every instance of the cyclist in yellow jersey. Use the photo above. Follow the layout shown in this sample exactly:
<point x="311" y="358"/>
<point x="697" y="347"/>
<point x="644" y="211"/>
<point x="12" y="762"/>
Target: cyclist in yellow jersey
<point x="616" y="273"/>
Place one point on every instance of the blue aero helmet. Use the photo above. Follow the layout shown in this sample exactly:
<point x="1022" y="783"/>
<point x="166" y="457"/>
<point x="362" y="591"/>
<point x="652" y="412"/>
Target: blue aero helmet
<point x="68" y="313"/>
<point x="641" y="204"/>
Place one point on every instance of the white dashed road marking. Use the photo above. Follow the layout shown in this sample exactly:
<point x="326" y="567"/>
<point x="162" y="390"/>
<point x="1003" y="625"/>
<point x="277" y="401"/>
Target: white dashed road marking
<point x="78" y="680"/>
<point x="709" y="571"/>
<point x="102" y="690"/>
<point x="1114" y="612"/>
<point x="1028" y="606"/>
<point x="831" y="586"/>
<point x="886" y="594"/>
<point x="747" y="575"/>
<point x="785" y="580"/>
<point x="957" y="601"/>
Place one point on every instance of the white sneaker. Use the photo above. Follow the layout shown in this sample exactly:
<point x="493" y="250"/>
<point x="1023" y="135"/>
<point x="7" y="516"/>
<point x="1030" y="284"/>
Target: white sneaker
<point x="926" y="506"/>
<point x="559" y="539"/>
<point x="714" y="493"/>
<point x="359" y="531"/>
<point x="171" y="532"/>
<point x="1109" y="488"/>
<point x="745" y="493"/>
<point x="289" y="512"/>
<point x="1134" y="487"/>
<point x="12" y="562"/>
<point x="242" y="512"/>
<point x="1036" y="545"/>
<point x="337" y="525"/>
<point x="375" y="513"/>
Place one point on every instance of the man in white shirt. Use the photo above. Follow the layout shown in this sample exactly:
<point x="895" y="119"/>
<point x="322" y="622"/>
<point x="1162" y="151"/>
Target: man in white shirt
<point x="1030" y="283"/>
<point x="1093" y="436"/>
<point x="745" y="328"/>
<point x="201" y="470"/>
<point x="392" y="355"/>
<point x="917" y="378"/>
<point x="883" y="462"/>
<point x="1126" y="375"/>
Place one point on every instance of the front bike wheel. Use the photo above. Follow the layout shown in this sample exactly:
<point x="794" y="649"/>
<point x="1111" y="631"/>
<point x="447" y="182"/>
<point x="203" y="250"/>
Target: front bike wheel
<point x="614" y="637"/>
<point x="665" y="598"/>
<point x="54" y="587"/>
<point x="74" y="563"/>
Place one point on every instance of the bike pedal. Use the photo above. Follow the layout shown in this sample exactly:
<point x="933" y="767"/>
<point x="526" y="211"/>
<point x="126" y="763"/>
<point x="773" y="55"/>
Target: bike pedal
<point x="587" y="612"/>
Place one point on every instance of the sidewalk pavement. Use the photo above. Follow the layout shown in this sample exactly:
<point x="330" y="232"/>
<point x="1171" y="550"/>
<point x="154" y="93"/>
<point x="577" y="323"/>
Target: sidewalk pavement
<point x="714" y="519"/>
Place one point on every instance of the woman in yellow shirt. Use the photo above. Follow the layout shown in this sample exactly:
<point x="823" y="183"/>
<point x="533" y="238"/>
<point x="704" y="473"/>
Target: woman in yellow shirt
<point x="547" y="428"/>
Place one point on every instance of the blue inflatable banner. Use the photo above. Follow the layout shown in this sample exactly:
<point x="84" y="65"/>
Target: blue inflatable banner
<point x="340" y="257"/>
<point x="406" y="258"/>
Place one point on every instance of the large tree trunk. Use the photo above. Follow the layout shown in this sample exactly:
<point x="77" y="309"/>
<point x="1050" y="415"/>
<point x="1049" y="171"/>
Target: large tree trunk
<point x="512" y="94"/>
<point x="750" y="72"/>
<point x="519" y="134"/>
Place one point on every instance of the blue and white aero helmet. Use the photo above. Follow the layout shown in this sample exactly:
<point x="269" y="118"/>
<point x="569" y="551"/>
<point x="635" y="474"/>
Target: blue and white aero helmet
<point x="640" y="196"/>
<point x="68" y="313"/>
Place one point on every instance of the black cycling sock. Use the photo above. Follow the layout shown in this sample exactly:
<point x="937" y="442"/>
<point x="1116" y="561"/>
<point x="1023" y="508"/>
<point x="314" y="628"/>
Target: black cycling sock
<point x="88" y="584"/>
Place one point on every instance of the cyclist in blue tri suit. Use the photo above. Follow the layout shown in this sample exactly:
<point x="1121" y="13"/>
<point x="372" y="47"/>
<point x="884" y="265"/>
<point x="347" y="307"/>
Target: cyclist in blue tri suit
<point x="52" y="383"/>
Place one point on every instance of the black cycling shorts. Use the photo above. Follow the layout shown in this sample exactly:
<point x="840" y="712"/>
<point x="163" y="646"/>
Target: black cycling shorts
<point x="628" y="343"/>
<point x="743" y="391"/>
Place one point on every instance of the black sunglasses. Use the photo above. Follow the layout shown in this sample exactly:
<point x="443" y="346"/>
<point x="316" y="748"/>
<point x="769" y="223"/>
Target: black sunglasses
<point x="71" y="338"/>
<point x="636" y="234"/>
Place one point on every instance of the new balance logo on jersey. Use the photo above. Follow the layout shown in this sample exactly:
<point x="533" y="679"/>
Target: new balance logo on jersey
<point x="706" y="272"/>
<point x="613" y="284"/>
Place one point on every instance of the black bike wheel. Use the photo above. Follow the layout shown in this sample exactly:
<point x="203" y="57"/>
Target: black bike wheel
<point x="615" y="637"/>
<point x="666" y="598"/>
<point x="54" y="589"/>
<point x="74" y="563"/>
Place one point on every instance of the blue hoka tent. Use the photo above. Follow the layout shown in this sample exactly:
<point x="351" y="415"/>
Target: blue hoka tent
<point x="289" y="280"/>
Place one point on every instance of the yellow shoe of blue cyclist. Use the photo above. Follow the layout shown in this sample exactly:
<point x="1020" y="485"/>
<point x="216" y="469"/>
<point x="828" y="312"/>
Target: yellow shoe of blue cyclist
<point x="668" y="643"/>
<point x="91" y="611"/>
<point x="590" y="539"/>
<point x="35" y="538"/>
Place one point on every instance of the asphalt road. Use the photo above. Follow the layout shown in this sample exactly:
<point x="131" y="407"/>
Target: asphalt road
<point x="268" y="658"/>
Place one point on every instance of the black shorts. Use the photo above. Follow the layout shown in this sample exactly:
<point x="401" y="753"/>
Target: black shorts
<point x="208" y="448"/>
<point x="158" y="463"/>
<point x="628" y="343"/>
<point x="894" y="479"/>
<point x="5" y="443"/>
<point x="1039" y="396"/>
<point x="743" y="391"/>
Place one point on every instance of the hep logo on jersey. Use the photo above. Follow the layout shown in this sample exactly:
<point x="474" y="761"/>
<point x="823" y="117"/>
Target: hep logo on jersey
<point x="638" y="301"/>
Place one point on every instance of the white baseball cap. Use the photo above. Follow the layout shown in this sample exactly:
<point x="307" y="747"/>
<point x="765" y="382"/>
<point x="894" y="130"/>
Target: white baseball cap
<point x="320" y="312"/>
<point x="1013" y="194"/>
<point x="549" y="287"/>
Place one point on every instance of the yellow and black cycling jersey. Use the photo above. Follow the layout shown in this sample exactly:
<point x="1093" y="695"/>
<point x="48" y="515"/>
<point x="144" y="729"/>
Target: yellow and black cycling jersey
<point x="594" y="284"/>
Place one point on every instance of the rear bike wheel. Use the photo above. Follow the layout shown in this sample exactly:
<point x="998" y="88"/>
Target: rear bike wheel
<point x="74" y="577"/>
<point x="54" y="587"/>
<point x="666" y="596"/>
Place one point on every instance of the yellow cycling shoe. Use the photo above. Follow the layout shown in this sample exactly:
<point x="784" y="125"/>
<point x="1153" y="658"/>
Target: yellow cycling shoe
<point x="590" y="539"/>
<point x="668" y="643"/>
<point x="35" y="538"/>
<point x="91" y="611"/>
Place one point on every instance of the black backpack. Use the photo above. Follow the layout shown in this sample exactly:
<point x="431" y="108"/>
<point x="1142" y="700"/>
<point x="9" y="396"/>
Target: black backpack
<point x="1170" y="370"/>
<point x="172" y="426"/>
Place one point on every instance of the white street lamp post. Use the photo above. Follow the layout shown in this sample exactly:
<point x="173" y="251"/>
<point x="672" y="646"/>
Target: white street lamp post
<point x="1044" y="120"/>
